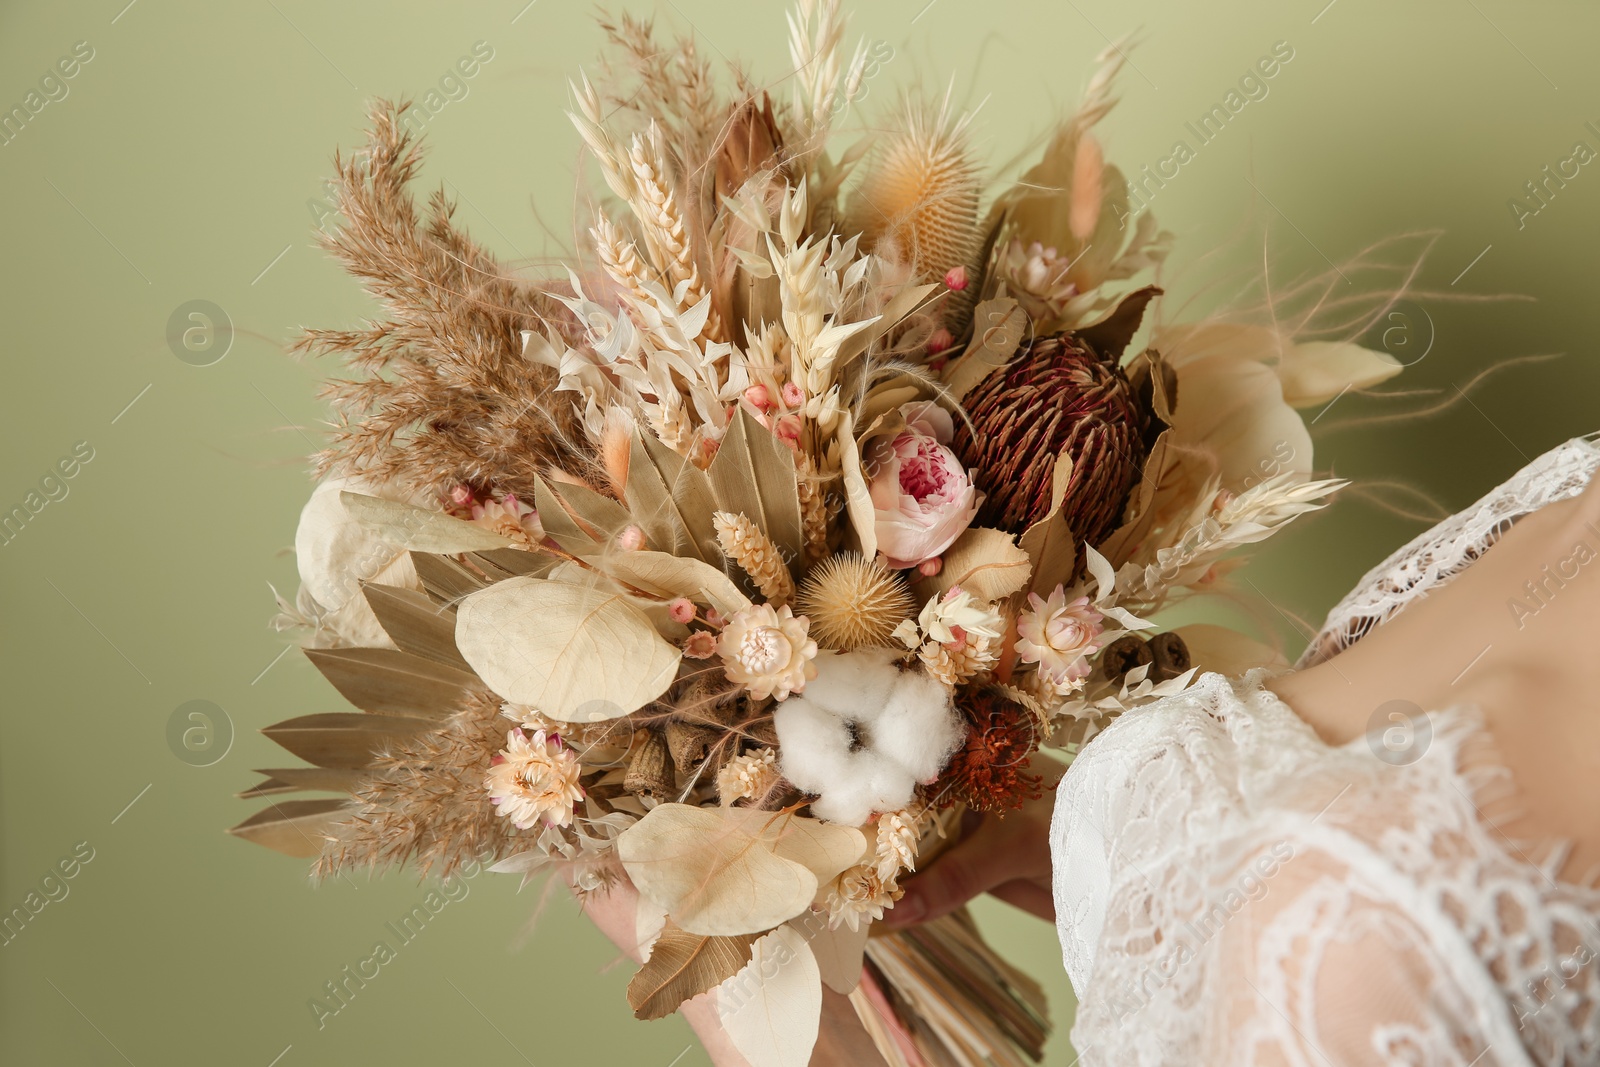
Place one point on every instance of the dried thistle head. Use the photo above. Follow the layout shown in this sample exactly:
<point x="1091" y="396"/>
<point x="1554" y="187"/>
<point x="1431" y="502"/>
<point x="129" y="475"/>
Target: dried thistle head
<point x="922" y="193"/>
<point x="853" y="602"/>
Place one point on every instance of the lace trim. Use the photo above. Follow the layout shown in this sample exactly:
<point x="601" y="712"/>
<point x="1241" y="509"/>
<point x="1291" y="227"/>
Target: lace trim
<point x="1450" y="547"/>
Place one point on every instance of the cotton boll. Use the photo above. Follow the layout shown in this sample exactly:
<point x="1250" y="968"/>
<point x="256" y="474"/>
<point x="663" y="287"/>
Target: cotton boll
<point x="864" y="733"/>
<point x="920" y="718"/>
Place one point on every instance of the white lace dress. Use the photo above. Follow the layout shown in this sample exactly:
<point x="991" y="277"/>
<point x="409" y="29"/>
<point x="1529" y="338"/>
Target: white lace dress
<point x="1231" y="890"/>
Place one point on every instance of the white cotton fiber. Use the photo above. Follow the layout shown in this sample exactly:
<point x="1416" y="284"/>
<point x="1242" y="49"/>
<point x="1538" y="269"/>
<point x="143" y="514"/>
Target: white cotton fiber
<point x="902" y="723"/>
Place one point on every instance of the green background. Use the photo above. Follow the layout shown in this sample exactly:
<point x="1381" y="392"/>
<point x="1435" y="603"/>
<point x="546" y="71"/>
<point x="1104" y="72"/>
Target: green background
<point x="183" y="165"/>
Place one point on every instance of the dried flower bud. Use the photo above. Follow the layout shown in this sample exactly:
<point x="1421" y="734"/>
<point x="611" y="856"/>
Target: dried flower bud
<point x="681" y="610"/>
<point x="930" y="568"/>
<point x="461" y="496"/>
<point x="631" y="539"/>
<point x="956" y="278"/>
<point x="760" y="397"/>
<point x="793" y="395"/>
<point x="941" y="340"/>
<point x="702" y="644"/>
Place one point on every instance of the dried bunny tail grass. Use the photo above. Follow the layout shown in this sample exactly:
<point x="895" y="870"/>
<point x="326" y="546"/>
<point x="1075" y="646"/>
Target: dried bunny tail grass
<point x="922" y="193"/>
<point x="426" y="804"/>
<point x="813" y="509"/>
<point x="743" y="542"/>
<point x="444" y="395"/>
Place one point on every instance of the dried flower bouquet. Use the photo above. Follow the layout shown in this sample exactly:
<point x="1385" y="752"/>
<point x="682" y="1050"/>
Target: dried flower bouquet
<point x="821" y="491"/>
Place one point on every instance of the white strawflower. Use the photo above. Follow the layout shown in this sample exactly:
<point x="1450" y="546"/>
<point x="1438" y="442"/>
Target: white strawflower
<point x="749" y="774"/>
<point x="535" y="780"/>
<point x="767" y="651"/>
<point x="860" y="893"/>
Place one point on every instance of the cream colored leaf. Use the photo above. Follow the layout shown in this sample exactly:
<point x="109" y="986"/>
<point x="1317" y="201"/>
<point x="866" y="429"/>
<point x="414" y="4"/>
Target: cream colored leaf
<point x="771" y="1009"/>
<point x="839" y="952"/>
<point x="987" y="563"/>
<point x="674" y="576"/>
<point x="1317" y="371"/>
<point x="1234" y="410"/>
<point x="418" y="529"/>
<point x="575" y="652"/>
<point x="733" y="871"/>
<point x="858" y="499"/>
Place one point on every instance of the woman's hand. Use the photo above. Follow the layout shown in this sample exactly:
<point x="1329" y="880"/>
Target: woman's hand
<point x="841" y="1039"/>
<point x="1006" y="856"/>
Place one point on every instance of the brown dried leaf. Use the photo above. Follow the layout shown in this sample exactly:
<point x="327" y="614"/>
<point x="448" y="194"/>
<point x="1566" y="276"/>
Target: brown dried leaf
<point x="754" y="473"/>
<point x="999" y="326"/>
<point x="391" y="682"/>
<point x="416" y="623"/>
<point x="344" y="740"/>
<point x="684" y="965"/>
<point x="297" y="828"/>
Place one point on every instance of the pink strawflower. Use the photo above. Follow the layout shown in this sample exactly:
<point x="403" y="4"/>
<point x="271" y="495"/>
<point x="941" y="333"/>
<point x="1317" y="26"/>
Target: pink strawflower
<point x="681" y="610"/>
<point x="793" y="395"/>
<point x="702" y="644"/>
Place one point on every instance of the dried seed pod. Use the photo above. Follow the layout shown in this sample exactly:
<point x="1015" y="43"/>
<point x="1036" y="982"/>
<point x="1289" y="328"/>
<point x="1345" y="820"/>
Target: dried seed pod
<point x="1124" y="654"/>
<point x="690" y="743"/>
<point x="650" y="769"/>
<point x="1171" y="656"/>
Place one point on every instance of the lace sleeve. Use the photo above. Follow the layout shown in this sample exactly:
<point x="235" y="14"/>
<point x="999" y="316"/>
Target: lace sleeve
<point x="1450" y="547"/>
<point x="1322" y="969"/>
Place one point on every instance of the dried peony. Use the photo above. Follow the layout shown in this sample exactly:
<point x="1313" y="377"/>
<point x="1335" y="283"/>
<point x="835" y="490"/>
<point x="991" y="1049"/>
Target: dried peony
<point x="750" y="774"/>
<point x="865" y="733"/>
<point x="534" y="780"/>
<point x="1059" y="635"/>
<point x="768" y="651"/>
<point x="922" y="497"/>
<point x="861" y="893"/>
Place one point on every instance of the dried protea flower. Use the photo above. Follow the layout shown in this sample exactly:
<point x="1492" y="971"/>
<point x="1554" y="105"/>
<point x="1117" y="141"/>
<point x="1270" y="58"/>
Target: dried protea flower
<point x="853" y="602"/>
<point x="989" y="773"/>
<point x="1059" y="396"/>
<point x="922" y="195"/>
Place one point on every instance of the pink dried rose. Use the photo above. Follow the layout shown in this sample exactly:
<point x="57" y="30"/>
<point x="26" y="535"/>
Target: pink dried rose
<point x="922" y="496"/>
<point x="1059" y="635"/>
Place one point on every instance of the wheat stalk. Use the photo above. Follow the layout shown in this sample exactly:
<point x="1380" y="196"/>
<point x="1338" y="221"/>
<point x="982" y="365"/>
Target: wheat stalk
<point x="743" y="542"/>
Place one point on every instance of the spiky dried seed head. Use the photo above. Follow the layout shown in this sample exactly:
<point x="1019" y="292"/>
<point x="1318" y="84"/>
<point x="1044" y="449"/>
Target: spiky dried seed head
<point x="853" y="602"/>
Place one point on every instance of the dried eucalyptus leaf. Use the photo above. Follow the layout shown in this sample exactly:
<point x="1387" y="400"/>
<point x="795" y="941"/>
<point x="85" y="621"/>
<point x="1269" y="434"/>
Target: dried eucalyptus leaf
<point x="999" y="326"/>
<point x="733" y="870"/>
<point x="575" y="652"/>
<point x="772" y="1008"/>
<point x="754" y="473"/>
